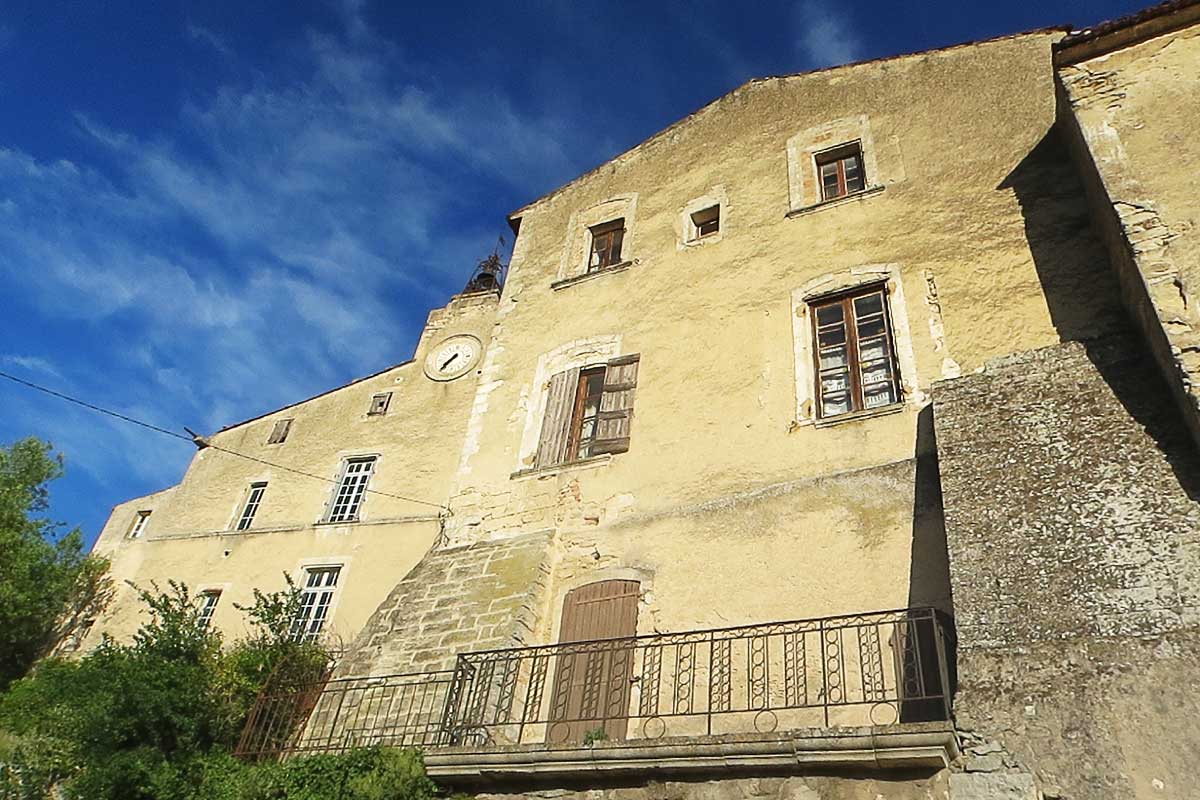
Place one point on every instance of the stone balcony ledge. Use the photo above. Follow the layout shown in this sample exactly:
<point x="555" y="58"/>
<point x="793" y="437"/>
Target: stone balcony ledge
<point x="907" y="746"/>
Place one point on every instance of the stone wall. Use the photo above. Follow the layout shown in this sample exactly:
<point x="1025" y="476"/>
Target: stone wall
<point x="479" y="597"/>
<point x="1073" y="535"/>
<point x="767" y="788"/>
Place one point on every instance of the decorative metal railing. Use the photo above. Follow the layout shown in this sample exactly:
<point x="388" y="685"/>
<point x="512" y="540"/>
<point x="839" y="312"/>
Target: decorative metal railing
<point x="335" y="715"/>
<point x="869" y="669"/>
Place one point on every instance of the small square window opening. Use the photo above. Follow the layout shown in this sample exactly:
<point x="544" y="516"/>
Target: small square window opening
<point x="279" y="433"/>
<point x="208" y="605"/>
<point x="379" y="404"/>
<point x="606" y="245"/>
<point x="855" y="358"/>
<point x="138" y="529"/>
<point x="253" y="501"/>
<point x="840" y="171"/>
<point x="706" y="222"/>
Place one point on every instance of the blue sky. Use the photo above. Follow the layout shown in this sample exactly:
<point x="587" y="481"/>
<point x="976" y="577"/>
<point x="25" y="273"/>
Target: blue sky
<point x="209" y="210"/>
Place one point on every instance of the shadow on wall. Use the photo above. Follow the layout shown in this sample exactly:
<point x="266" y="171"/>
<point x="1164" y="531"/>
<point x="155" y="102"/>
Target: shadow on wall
<point x="1083" y="296"/>
<point x="929" y="563"/>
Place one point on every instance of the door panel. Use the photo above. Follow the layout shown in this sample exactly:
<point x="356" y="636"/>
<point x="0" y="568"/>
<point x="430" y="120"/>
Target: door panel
<point x="591" y="685"/>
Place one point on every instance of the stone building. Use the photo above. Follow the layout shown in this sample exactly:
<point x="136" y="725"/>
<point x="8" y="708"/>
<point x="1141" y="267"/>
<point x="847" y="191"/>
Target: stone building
<point x="837" y="441"/>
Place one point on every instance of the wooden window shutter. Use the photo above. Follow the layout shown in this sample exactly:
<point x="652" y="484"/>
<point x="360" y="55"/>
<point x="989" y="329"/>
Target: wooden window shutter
<point x="556" y="424"/>
<point x="616" y="405"/>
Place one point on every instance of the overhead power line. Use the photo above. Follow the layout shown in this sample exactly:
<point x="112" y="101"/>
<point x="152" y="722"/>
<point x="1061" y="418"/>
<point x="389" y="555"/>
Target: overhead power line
<point x="204" y="442"/>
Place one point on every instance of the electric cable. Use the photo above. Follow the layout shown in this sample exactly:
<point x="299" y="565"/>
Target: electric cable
<point x="202" y="442"/>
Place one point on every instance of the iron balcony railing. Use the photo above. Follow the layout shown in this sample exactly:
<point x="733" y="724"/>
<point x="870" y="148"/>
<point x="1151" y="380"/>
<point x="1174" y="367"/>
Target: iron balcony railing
<point x="878" y="668"/>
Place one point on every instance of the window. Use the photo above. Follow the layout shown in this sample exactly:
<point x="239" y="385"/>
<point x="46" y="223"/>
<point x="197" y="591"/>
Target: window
<point x="855" y="359"/>
<point x="706" y="222"/>
<point x="139" y="525"/>
<point x="588" y="412"/>
<point x="208" y="605"/>
<point x="279" y="433"/>
<point x="379" y="404"/>
<point x="316" y="596"/>
<point x="253" y="500"/>
<point x="348" y="497"/>
<point x="840" y="171"/>
<point x="606" y="245"/>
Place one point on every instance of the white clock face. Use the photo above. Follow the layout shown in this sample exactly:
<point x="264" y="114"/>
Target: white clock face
<point x="453" y="358"/>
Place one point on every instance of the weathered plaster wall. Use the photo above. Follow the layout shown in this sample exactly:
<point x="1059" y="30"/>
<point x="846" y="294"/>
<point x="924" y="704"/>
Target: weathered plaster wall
<point x="726" y="485"/>
<point x="1135" y="114"/>
<point x="189" y="536"/>
<point x="1074" y="542"/>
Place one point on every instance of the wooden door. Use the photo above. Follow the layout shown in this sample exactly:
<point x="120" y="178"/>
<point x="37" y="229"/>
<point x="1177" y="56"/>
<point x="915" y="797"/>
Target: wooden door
<point x="592" y="681"/>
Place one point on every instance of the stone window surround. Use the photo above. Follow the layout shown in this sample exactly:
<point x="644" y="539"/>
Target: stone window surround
<point x="804" y="190"/>
<point x="577" y="353"/>
<point x="240" y="503"/>
<point x="340" y="561"/>
<point x="802" y="339"/>
<point x="573" y="261"/>
<point x="336" y="483"/>
<point x="686" y="229"/>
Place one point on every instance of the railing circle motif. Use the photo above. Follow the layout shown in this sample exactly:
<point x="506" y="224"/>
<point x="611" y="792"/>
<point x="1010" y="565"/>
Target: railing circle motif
<point x="654" y="728"/>
<point x="890" y="717"/>
<point x="766" y="718"/>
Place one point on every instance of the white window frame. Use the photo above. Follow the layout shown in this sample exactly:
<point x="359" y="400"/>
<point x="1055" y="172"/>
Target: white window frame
<point x="350" y="493"/>
<point x="209" y="598"/>
<point x="317" y="597"/>
<point x="250" y="507"/>
<point x="138" y="529"/>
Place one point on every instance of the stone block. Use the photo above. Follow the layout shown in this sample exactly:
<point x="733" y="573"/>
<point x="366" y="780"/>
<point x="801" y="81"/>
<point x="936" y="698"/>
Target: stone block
<point x="992" y="786"/>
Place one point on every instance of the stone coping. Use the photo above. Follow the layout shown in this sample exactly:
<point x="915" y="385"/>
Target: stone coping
<point x="908" y="746"/>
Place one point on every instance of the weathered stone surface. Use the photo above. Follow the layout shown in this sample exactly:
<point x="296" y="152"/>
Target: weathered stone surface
<point x="780" y="788"/>
<point x="1074" y="545"/>
<point x="996" y="786"/>
<point x="479" y="597"/>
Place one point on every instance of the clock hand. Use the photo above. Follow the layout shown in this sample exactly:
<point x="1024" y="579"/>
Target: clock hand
<point x="448" y="360"/>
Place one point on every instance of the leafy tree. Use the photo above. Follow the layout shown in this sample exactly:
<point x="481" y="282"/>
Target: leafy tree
<point x="47" y="582"/>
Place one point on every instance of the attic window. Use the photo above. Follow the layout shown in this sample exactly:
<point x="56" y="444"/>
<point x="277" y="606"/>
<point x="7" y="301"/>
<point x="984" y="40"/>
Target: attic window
<point x="706" y="222"/>
<point x="379" y="404"/>
<point x="139" y="525"/>
<point x="840" y="171"/>
<point x="606" y="245"/>
<point x="279" y="433"/>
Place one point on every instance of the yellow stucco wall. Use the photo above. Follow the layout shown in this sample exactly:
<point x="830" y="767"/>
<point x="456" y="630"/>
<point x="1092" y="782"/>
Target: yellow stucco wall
<point x="731" y="504"/>
<point x="189" y="536"/>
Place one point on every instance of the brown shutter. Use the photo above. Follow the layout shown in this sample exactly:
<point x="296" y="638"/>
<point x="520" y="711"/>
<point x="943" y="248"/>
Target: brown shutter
<point x="592" y="683"/>
<point x="616" y="405"/>
<point x="556" y="424"/>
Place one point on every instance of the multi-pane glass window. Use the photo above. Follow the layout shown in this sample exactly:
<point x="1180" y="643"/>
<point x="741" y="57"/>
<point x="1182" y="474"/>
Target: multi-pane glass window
<point x="584" y="418"/>
<point x="841" y="171"/>
<point x="139" y="525"/>
<point x="348" y="497"/>
<point x="606" y="245"/>
<point x="208" y="605"/>
<point x="316" y="596"/>
<point x="856" y="365"/>
<point x="253" y="501"/>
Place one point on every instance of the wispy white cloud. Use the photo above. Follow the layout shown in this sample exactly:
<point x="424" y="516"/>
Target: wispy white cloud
<point x="825" y="35"/>
<point x="30" y="364"/>
<point x="201" y="34"/>
<point x="253" y="256"/>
